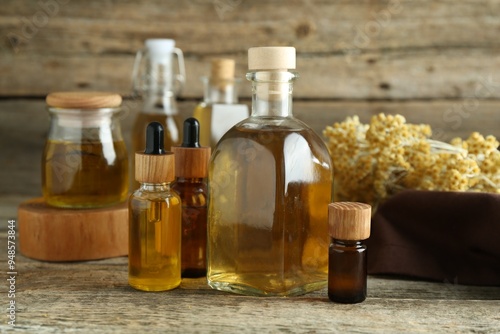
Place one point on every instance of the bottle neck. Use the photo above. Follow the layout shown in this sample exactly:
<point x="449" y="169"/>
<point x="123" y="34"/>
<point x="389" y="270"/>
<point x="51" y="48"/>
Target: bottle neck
<point x="223" y="91"/>
<point x="155" y="187"/>
<point x="159" y="102"/>
<point x="272" y="93"/>
<point x="189" y="180"/>
<point x="348" y="243"/>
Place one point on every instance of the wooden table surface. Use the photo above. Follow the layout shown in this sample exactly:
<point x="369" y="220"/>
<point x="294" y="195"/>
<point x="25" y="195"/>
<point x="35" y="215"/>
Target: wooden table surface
<point x="94" y="296"/>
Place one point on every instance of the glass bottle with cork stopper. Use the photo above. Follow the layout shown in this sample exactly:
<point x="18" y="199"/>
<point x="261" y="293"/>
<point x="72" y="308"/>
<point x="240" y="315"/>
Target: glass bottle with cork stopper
<point x="270" y="182"/>
<point x="219" y="110"/>
<point x="85" y="161"/>
<point x="154" y="219"/>
<point x="191" y="170"/>
<point x="349" y="224"/>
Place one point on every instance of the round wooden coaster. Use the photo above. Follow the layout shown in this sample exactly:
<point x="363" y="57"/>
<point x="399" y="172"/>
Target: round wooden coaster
<point x="54" y="234"/>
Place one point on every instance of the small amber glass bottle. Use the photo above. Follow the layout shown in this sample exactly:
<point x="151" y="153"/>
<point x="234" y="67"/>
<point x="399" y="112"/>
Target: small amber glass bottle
<point x="349" y="225"/>
<point x="191" y="170"/>
<point x="154" y="219"/>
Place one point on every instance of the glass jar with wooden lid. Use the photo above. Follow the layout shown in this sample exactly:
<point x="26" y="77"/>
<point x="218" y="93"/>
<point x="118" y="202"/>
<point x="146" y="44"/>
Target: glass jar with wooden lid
<point x="84" y="162"/>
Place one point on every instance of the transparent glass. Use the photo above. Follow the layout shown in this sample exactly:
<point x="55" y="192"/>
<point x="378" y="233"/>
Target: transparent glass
<point x="221" y="91"/>
<point x="85" y="161"/>
<point x="194" y="194"/>
<point x="155" y="86"/>
<point x="270" y="182"/>
<point x="347" y="271"/>
<point x="154" y="238"/>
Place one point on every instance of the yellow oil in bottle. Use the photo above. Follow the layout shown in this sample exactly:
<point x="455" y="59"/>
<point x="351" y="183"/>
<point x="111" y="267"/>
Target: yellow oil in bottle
<point x="154" y="241"/>
<point x="83" y="175"/>
<point x="203" y="113"/>
<point x="268" y="225"/>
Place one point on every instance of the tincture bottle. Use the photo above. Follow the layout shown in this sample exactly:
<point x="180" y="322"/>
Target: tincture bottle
<point x="154" y="219"/>
<point x="191" y="171"/>
<point x="270" y="181"/>
<point x="349" y="224"/>
<point x="85" y="161"/>
<point x="156" y="83"/>
<point x="219" y="110"/>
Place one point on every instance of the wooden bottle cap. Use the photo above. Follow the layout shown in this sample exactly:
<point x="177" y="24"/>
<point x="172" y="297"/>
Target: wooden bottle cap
<point x="54" y="234"/>
<point x="349" y="220"/>
<point x="271" y="58"/>
<point x="83" y="100"/>
<point x="154" y="168"/>
<point x="222" y="68"/>
<point x="191" y="162"/>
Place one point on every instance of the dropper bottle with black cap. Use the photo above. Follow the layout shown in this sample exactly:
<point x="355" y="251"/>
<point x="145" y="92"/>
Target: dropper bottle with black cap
<point x="191" y="171"/>
<point x="154" y="218"/>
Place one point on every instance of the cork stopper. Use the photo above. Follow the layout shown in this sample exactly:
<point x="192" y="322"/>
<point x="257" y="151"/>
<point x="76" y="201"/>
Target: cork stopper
<point x="191" y="159"/>
<point x="222" y="68"/>
<point x="83" y="100"/>
<point x="271" y="58"/>
<point x="349" y="220"/>
<point x="154" y="165"/>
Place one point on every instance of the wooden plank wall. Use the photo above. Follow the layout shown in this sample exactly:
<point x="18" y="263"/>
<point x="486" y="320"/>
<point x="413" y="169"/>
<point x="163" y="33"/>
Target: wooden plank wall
<point x="434" y="61"/>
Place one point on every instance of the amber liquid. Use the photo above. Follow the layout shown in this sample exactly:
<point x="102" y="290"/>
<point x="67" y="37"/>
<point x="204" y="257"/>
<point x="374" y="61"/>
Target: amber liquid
<point x="270" y="189"/>
<point x="193" y="193"/>
<point x="154" y="241"/>
<point x="84" y="175"/>
<point x="347" y="272"/>
<point x="172" y="134"/>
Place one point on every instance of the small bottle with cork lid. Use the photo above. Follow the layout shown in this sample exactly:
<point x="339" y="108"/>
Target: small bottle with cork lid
<point x="154" y="218"/>
<point x="349" y="224"/>
<point x="220" y="109"/>
<point x="191" y="170"/>
<point x="85" y="161"/>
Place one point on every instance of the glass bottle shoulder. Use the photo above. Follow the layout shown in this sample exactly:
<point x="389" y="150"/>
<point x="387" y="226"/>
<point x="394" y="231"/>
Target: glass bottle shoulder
<point x="192" y="193"/>
<point x="156" y="194"/>
<point x="292" y="135"/>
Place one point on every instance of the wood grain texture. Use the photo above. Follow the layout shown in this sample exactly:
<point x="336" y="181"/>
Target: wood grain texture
<point x="94" y="296"/>
<point x="384" y="49"/>
<point x="57" y="234"/>
<point x="429" y="74"/>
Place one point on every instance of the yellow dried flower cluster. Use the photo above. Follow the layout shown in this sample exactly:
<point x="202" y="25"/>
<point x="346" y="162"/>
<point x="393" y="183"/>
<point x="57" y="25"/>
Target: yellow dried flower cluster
<point x="374" y="161"/>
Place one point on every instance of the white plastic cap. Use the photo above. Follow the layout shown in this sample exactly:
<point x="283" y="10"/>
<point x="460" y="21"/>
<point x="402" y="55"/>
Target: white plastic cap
<point x="271" y="58"/>
<point x="160" y="49"/>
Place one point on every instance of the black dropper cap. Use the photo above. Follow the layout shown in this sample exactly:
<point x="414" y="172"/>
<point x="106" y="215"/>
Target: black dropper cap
<point x="191" y="133"/>
<point x="154" y="139"/>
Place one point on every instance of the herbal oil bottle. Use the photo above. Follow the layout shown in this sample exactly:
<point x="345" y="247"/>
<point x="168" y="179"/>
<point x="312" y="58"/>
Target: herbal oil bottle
<point x="154" y="219"/>
<point x="270" y="180"/>
<point x="85" y="161"/>
<point x="219" y="110"/>
<point x="349" y="225"/>
<point x="155" y="83"/>
<point x="191" y="171"/>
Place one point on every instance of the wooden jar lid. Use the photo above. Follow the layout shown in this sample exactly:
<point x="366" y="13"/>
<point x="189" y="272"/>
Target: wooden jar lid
<point x="349" y="220"/>
<point x="54" y="234"/>
<point x="83" y="100"/>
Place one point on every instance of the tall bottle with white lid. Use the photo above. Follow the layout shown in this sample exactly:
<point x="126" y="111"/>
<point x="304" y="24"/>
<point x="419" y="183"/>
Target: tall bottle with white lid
<point x="270" y="185"/>
<point x="156" y="81"/>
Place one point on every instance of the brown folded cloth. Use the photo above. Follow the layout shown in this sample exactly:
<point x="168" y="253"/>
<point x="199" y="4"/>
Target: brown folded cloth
<point x="445" y="236"/>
